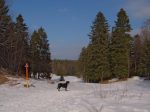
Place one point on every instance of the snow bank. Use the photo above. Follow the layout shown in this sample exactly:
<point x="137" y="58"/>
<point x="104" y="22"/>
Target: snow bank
<point x="113" y="80"/>
<point x="135" y="78"/>
<point x="67" y="78"/>
<point x="72" y="79"/>
<point x="55" y="77"/>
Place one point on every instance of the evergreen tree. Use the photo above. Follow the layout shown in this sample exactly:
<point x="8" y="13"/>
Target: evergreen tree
<point x="22" y="42"/>
<point x="83" y="63"/>
<point x="145" y="60"/>
<point x="45" y="51"/>
<point x="137" y="54"/>
<point x="4" y="22"/>
<point x="90" y="65"/>
<point x="41" y="57"/>
<point x="97" y="62"/>
<point x="145" y="55"/>
<point x="120" y="46"/>
<point x="35" y="52"/>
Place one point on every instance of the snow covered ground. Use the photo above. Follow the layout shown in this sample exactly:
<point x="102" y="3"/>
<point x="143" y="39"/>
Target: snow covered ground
<point x="128" y="96"/>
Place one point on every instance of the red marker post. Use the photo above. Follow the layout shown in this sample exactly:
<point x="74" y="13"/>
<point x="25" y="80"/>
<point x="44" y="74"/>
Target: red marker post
<point x="27" y="76"/>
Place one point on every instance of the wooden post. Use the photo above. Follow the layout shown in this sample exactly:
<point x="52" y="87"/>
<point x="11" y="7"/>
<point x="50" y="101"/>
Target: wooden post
<point x="27" y="75"/>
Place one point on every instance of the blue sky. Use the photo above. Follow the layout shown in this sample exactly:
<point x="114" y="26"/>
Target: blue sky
<point x="67" y="22"/>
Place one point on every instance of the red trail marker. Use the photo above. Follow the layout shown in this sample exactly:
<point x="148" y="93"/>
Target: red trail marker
<point x="27" y="76"/>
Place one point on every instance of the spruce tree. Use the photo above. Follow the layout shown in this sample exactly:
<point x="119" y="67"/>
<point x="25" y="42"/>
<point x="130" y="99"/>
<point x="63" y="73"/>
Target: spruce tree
<point x="101" y="47"/>
<point x="35" y="52"/>
<point x="145" y="60"/>
<point x="41" y="56"/>
<point x="82" y="62"/>
<point x="137" y="54"/>
<point x="145" y="55"/>
<point x="5" y="23"/>
<point x="45" y="54"/>
<point x="4" y="20"/>
<point x="120" y="46"/>
<point x="97" y="62"/>
<point x="85" y="65"/>
<point x="22" y="42"/>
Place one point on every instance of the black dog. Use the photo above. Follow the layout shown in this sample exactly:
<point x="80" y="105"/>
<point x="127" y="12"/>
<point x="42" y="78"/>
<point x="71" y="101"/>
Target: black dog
<point x="63" y="85"/>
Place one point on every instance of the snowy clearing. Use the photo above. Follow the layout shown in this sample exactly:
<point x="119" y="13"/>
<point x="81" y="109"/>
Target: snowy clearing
<point x="127" y="96"/>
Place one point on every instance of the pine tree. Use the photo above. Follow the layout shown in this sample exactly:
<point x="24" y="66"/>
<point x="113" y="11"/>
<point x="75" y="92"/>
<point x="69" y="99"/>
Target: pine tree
<point x="120" y="46"/>
<point x="90" y="65"/>
<point x="22" y="42"/>
<point x="41" y="56"/>
<point x="82" y="63"/>
<point x="4" y="21"/>
<point x="35" y="52"/>
<point x="5" y="25"/>
<point x="101" y="47"/>
<point x="137" y="54"/>
<point x="45" y="51"/>
<point x="97" y="62"/>
<point x="145" y="60"/>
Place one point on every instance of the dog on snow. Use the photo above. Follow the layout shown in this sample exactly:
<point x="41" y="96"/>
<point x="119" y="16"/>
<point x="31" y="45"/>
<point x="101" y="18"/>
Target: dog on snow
<point x="63" y="85"/>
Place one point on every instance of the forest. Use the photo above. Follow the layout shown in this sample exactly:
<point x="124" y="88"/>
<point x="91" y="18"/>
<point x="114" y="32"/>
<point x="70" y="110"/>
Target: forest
<point x="112" y="52"/>
<point x="65" y="67"/>
<point x="115" y="53"/>
<point x="17" y="47"/>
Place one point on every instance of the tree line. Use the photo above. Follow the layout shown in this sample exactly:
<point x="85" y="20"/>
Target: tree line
<point x="115" y="53"/>
<point x="17" y="47"/>
<point x="65" y="67"/>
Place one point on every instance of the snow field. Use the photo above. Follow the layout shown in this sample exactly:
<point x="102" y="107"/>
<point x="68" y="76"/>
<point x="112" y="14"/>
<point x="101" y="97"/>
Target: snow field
<point x="127" y="96"/>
